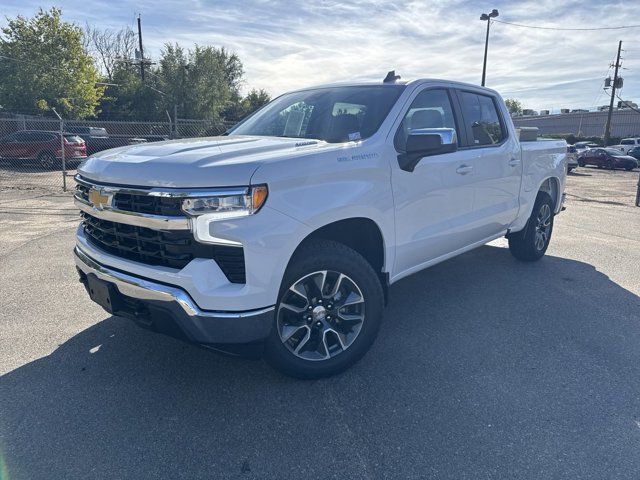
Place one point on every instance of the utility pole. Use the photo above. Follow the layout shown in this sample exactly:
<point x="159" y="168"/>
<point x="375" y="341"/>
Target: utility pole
<point x="141" y="49"/>
<point x="607" y="128"/>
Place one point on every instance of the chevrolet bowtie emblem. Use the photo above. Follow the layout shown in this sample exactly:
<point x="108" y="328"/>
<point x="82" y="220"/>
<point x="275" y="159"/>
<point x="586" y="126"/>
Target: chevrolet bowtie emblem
<point x="98" y="199"/>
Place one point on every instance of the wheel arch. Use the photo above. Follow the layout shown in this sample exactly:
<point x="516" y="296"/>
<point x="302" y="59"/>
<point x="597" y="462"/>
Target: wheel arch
<point x="551" y="185"/>
<point x="361" y="234"/>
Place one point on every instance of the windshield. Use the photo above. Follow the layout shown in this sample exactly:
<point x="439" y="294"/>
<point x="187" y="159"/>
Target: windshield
<point x="332" y="114"/>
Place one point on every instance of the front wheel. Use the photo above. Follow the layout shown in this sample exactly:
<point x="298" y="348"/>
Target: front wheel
<point x="48" y="160"/>
<point x="328" y="312"/>
<point x="531" y="243"/>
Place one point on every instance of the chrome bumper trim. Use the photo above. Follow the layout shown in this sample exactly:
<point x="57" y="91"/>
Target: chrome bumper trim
<point x="143" y="289"/>
<point x="154" y="222"/>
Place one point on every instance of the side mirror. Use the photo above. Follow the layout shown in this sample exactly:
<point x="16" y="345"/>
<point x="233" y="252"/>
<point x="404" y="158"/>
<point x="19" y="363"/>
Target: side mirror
<point x="426" y="142"/>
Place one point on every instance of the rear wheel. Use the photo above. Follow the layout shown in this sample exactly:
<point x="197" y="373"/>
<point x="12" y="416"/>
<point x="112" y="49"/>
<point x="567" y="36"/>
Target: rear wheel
<point x="610" y="165"/>
<point x="531" y="243"/>
<point x="48" y="160"/>
<point x="328" y="312"/>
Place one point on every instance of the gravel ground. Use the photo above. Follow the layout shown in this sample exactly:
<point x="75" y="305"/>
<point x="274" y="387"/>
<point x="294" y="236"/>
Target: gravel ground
<point x="484" y="368"/>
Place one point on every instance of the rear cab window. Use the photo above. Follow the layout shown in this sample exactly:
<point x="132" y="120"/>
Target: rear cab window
<point x="482" y="119"/>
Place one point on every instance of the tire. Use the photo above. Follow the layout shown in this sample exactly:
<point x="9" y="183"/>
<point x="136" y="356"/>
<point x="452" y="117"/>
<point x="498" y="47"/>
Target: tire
<point x="302" y="320"/>
<point x="581" y="164"/>
<point x="628" y="169"/>
<point x="610" y="165"/>
<point x="526" y="245"/>
<point x="48" y="160"/>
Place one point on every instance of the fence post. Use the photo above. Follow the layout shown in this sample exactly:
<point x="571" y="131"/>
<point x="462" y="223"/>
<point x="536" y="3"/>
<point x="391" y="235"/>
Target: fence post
<point x="638" y="193"/>
<point x="64" y="166"/>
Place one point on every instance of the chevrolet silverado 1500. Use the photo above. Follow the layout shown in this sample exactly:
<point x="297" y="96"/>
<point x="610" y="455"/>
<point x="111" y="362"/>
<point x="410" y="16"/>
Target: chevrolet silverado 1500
<point x="287" y="231"/>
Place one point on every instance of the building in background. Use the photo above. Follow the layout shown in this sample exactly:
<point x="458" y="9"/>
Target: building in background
<point x="625" y="122"/>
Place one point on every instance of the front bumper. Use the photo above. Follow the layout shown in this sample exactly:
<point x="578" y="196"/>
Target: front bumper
<point x="170" y="310"/>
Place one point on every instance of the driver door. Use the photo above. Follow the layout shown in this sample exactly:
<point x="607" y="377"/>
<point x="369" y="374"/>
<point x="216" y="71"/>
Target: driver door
<point x="434" y="202"/>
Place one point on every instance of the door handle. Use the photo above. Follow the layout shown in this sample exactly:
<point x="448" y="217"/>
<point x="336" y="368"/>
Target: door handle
<point x="464" y="169"/>
<point x="514" y="162"/>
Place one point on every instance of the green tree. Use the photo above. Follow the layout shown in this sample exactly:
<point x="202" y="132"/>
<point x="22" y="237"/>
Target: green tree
<point x="254" y="100"/>
<point x="514" y="106"/>
<point x="203" y="82"/>
<point x="129" y="98"/>
<point x="44" y="65"/>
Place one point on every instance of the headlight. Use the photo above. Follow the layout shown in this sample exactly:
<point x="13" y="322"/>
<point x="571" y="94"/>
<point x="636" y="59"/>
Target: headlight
<point x="205" y="211"/>
<point x="227" y="206"/>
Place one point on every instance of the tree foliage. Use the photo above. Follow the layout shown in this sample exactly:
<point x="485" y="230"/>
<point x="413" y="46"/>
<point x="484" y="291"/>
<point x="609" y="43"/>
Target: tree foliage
<point x="43" y="65"/>
<point x="514" y="106"/>
<point x="254" y="100"/>
<point x="46" y="62"/>
<point x="109" y="47"/>
<point x="203" y="82"/>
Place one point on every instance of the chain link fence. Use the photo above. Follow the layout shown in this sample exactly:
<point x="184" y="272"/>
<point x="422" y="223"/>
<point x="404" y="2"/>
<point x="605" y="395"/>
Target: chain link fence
<point x="42" y="153"/>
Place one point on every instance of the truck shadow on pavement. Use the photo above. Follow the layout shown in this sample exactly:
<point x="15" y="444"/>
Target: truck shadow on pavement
<point x="484" y="368"/>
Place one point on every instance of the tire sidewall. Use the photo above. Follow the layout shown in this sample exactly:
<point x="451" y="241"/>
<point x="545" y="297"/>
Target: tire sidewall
<point x="542" y="199"/>
<point x="339" y="258"/>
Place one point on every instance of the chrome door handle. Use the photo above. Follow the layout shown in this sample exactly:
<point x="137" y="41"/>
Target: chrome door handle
<point x="514" y="162"/>
<point x="464" y="169"/>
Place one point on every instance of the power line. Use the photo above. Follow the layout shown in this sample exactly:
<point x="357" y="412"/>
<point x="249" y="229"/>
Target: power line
<point x="624" y="102"/>
<point x="621" y="27"/>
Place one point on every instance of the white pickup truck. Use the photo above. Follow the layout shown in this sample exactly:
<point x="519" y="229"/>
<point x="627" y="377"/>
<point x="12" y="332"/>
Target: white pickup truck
<point x="286" y="232"/>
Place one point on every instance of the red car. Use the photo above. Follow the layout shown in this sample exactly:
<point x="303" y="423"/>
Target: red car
<point x="610" y="158"/>
<point x="42" y="146"/>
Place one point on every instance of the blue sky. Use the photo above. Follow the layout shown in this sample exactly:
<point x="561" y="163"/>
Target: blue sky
<point x="286" y="45"/>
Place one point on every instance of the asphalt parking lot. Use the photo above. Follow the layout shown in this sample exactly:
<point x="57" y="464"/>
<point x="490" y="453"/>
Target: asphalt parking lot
<point x="485" y="368"/>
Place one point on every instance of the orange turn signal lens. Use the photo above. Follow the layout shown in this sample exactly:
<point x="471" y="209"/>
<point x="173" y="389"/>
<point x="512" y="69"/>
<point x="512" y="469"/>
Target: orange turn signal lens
<point x="259" y="195"/>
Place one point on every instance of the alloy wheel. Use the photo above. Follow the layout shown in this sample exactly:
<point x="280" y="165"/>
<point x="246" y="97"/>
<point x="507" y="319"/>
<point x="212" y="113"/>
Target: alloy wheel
<point x="320" y="315"/>
<point x="543" y="226"/>
<point x="47" y="160"/>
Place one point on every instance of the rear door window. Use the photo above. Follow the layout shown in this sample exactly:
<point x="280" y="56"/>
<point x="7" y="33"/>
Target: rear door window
<point x="481" y="118"/>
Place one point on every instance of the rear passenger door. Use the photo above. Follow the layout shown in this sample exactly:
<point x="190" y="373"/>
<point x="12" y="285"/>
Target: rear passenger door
<point x="498" y="163"/>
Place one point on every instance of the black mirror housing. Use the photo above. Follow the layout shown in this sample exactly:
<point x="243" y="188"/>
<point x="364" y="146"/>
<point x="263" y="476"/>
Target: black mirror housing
<point x="427" y="142"/>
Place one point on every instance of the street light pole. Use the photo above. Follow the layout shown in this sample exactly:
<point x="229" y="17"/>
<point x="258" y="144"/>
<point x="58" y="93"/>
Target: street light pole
<point x="487" y="17"/>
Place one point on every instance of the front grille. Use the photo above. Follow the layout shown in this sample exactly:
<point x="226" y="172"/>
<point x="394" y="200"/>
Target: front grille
<point x="166" y="206"/>
<point x="149" y="204"/>
<point x="175" y="248"/>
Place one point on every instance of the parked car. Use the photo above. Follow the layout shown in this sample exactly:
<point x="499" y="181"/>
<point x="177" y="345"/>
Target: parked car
<point x="627" y="144"/>
<point x="288" y="230"/>
<point x="43" y="146"/>
<point x="610" y="158"/>
<point x="97" y="138"/>
<point x="583" y="146"/>
<point x="635" y="153"/>
<point x="572" y="157"/>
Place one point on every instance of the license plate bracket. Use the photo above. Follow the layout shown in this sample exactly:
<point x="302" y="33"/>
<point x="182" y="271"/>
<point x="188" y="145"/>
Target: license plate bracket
<point x="101" y="292"/>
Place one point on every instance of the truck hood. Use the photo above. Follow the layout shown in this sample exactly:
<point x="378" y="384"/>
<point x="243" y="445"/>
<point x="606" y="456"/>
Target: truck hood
<point x="194" y="162"/>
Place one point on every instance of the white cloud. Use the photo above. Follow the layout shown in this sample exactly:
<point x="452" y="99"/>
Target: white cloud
<point x="286" y="45"/>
